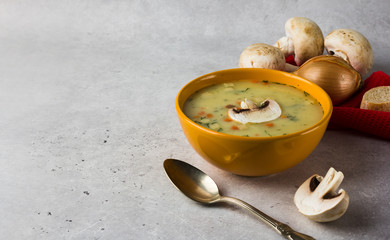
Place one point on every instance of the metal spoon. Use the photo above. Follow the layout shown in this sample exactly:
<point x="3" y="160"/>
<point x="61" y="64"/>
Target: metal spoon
<point x="198" y="186"/>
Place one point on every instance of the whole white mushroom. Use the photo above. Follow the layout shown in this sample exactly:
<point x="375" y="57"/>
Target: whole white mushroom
<point x="261" y="55"/>
<point x="303" y="38"/>
<point x="351" y="46"/>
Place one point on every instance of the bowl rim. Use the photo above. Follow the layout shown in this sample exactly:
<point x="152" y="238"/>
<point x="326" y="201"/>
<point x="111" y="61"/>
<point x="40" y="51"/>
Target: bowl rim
<point x="326" y="116"/>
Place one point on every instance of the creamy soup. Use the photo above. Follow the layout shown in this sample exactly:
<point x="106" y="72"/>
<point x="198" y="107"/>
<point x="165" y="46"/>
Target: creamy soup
<point x="209" y="107"/>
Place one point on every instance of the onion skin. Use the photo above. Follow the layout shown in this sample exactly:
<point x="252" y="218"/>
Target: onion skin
<point x="333" y="74"/>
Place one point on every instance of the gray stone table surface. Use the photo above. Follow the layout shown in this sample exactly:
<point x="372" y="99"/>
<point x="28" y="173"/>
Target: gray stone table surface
<point x="87" y="92"/>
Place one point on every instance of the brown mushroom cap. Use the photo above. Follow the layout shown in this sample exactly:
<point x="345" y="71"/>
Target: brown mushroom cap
<point x="353" y="47"/>
<point x="307" y="38"/>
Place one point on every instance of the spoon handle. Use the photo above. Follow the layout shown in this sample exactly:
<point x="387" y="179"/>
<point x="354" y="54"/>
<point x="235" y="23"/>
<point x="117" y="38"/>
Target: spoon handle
<point x="281" y="228"/>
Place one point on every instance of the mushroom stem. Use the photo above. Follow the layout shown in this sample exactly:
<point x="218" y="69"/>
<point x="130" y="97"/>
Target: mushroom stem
<point x="340" y="54"/>
<point x="290" y="68"/>
<point x="329" y="184"/>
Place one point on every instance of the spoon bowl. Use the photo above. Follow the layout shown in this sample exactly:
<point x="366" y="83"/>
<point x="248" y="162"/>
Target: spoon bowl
<point x="191" y="181"/>
<point x="198" y="186"/>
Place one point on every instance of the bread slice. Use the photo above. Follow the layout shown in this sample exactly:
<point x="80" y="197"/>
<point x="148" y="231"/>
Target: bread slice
<point x="377" y="98"/>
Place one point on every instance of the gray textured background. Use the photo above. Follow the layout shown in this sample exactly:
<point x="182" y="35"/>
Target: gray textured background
<point x="87" y="93"/>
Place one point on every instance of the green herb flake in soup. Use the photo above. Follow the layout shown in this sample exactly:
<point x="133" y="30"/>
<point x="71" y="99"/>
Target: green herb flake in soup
<point x="253" y="108"/>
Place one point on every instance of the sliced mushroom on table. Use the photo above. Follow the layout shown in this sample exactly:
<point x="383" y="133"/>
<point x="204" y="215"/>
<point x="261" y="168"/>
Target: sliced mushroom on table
<point x="318" y="199"/>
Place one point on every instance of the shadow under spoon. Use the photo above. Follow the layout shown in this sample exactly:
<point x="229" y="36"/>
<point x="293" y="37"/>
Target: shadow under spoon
<point x="198" y="186"/>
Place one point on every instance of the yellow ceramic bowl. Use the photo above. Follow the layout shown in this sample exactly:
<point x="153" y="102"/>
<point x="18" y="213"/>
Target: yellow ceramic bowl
<point x="253" y="156"/>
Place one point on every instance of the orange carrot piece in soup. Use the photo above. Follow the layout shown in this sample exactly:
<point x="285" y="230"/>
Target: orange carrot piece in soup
<point x="209" y="115"/>
<point x="269" y="124"/>
<point x="228" y="119"/>
<point x="234" y="127"/>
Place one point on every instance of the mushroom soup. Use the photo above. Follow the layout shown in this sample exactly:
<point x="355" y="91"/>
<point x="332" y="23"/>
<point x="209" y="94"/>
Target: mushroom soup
<point x="253" y="108"/>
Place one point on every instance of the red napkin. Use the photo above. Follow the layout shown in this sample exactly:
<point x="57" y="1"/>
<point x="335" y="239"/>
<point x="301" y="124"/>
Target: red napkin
<point x="349" y="115"/>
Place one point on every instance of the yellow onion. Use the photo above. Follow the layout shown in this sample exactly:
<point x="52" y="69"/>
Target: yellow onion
<point x="333" y="74"/>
